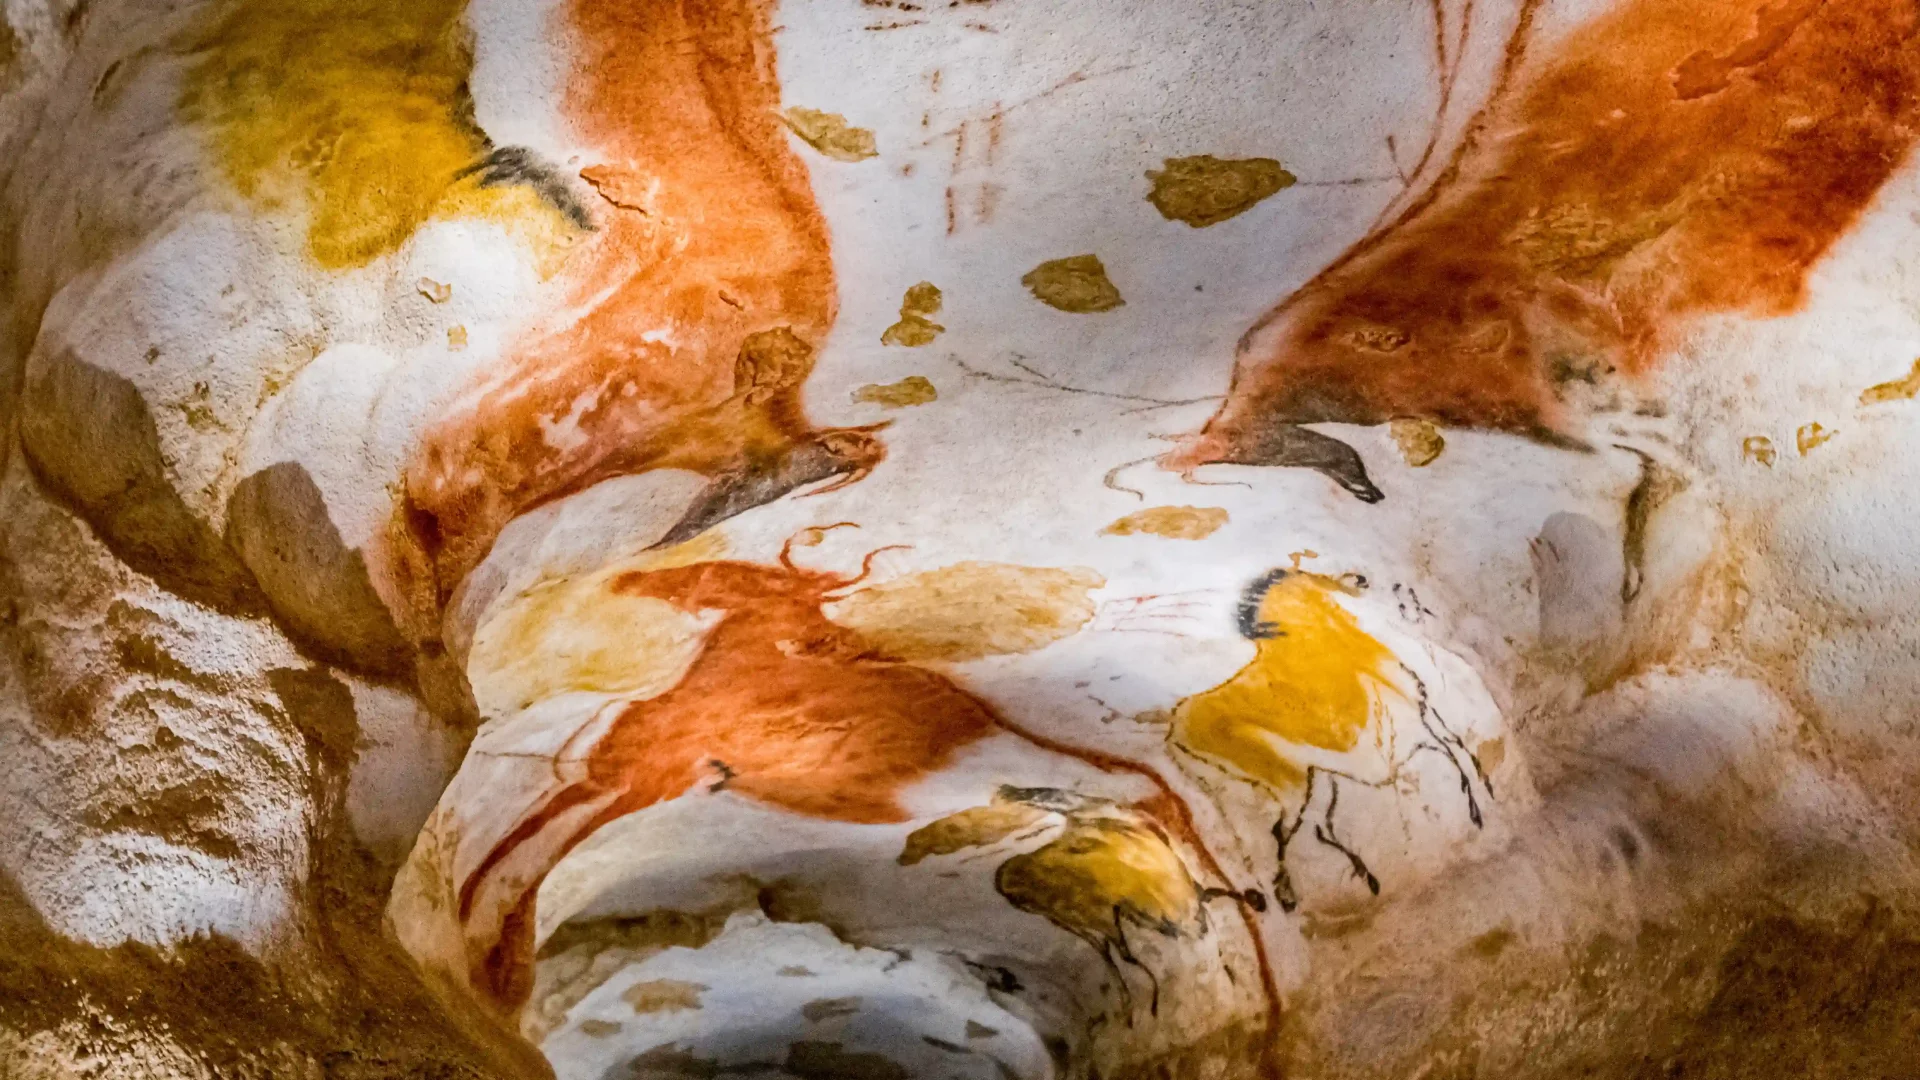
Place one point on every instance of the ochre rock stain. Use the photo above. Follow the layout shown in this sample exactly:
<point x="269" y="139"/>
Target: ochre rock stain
<point x="1664" y="162"/>
<point x="691" y="315"/>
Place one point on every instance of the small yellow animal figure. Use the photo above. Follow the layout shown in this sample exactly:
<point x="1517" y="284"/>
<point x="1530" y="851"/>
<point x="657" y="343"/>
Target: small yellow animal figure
<point x="1312" y="682"/>
<point x="1100" y="875"/>
<point x="1317" y="681"/>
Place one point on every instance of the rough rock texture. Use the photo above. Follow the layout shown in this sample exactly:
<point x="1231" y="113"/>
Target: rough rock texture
<point x="999" y="540"/>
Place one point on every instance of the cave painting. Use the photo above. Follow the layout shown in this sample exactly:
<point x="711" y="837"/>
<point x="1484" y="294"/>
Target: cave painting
<point x="808" y="691"/>
<point x="1631" y="171"/>
<point x="1205" y="190"/>
<point x="1106" y="869"/>
<point x="773" y="700"/>
<point x="411" y="151"/>
<point x="1320" y="704"/>
<point x="916" y="326"/>
<point x="1665" y="162"/>
<point x="690" y="316"/>
<point x="1077" y="284"/>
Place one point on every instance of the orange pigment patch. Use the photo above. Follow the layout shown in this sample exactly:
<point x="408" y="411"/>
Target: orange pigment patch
<point x="1667" y="161"/>
<point x="691" y="315"/>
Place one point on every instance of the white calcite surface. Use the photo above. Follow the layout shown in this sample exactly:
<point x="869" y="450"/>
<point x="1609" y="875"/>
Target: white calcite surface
<point x="1003" y="539"/>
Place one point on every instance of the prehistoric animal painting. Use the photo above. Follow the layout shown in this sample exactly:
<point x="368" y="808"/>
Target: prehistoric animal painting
<point x="782" y="705"/>
<point x="795" y="689"/>
<point x="1322" y="703"/>
<point x="1665" y="162"/>
<point x="1106" y="872"/>
<point x="690" y="316"/>
<point x="1108" y="869"/>
<point x="309" y="113"/>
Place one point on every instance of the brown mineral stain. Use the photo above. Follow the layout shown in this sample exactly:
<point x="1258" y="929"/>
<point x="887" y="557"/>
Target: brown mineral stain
<point x="829" y="1008"/>
<point x="1759" y="449"/>
<point x="1207" y="190"/>
<point x="1491" y="753"/>
<point x="663" y="995"/>
<point x="1492" y="943"/>
<point x="456" y="338"/>
<point x="1808" y="436"/>
<point x="682" y="330"/>
<point x="437" y="291"/>
<point x="1420" y="441"/>
<point x="356" y="113"/>
<point x="787" y="900"/>
<point x="599" y="1029"/>
<point x="193" y="812"/>
<point x="808" y="1060"/>
<point x="916" y="326"/>
<point x="922" y="299"/>
<point x="677" y="1062"/>
<point x="830" y="134"/>
<point x="974" y="827"/>
<point x="1077" y="284"/>
<point x="912" y="390"/>
<point x="970" y="610"/>
<point x="1656" y="486"/>
<point x="1172" y="522"/>
<point x="1660" y="163"/>
<point x="9" y="55"/>
<point x="134" y="1010"/>
<point x="1897" y="390"/>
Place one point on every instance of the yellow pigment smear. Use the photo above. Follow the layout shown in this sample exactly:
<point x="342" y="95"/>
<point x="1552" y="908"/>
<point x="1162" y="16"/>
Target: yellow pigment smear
<point x="830" y="134"/>
<point x="910" y="391"/>
<point x="356" y="110"/>
<point x="1312" y="682"/>
<point x="1172" y="522"/>
<point x="916" y="326"/>
<point x="1420" y="441"/>
<point x="974" y="827"/>
<point x="1902" y="389"/>
<point x="970" y="610"/>
<point x="573" y="634"/>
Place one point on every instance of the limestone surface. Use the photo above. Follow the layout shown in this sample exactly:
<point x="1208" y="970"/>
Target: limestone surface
<point x="991" y="540"/>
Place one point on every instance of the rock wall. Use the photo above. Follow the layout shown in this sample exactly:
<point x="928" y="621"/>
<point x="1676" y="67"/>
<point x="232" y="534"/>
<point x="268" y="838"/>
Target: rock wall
<point x="1006" y="539"/>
